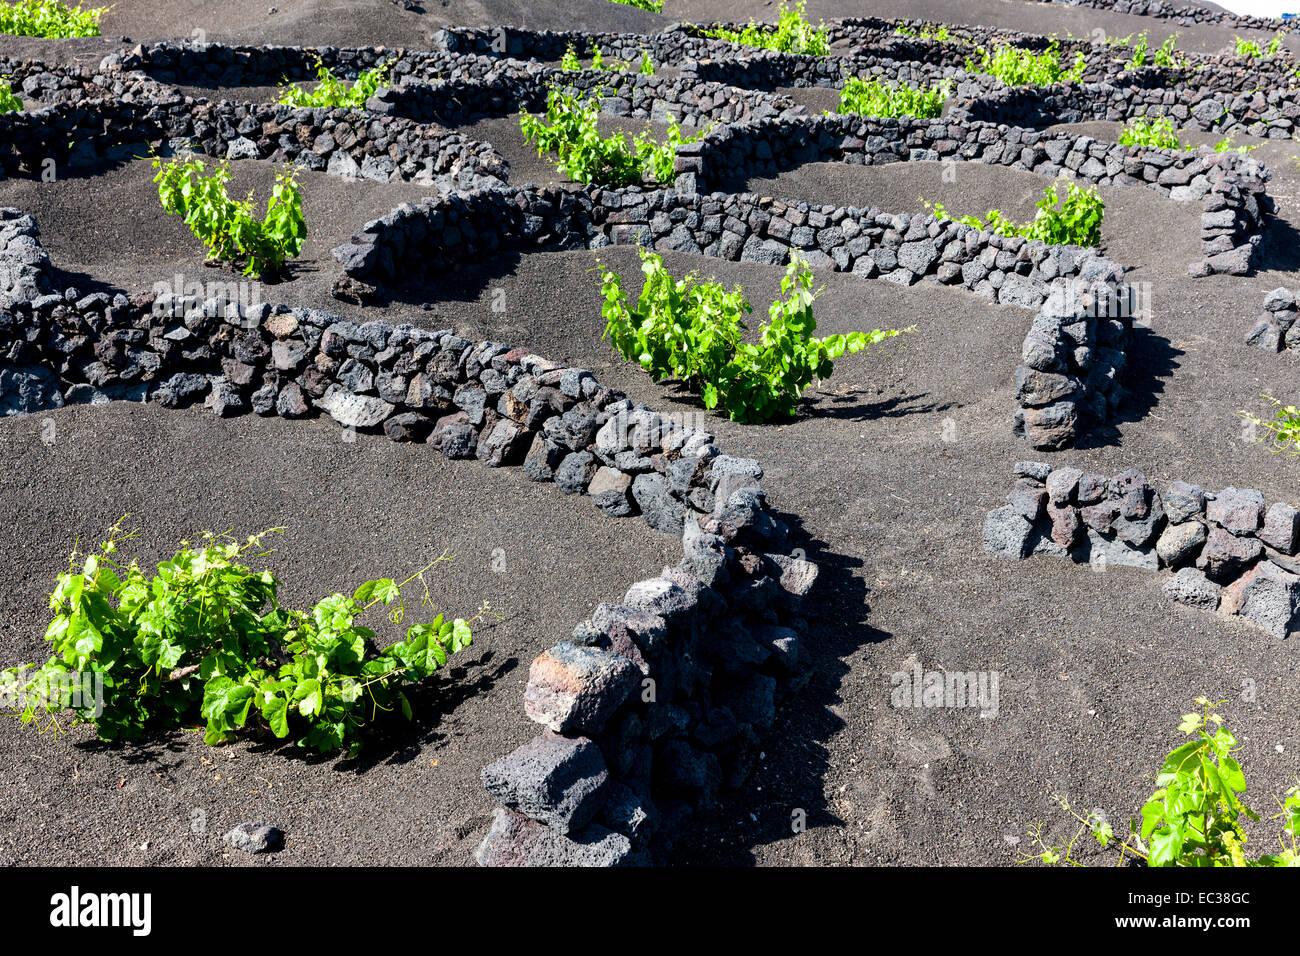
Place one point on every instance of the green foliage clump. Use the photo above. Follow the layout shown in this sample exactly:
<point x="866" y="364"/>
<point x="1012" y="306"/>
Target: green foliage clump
<point x="1225" y="146"/>
<point x="939" y="33"/>
<point x="1283" y="429"/>
<point x="1251" y="50"/>
<point x="1194" y="818"/>
<point x="50" y="19"/>
<point x="570" y="131"/>
<point x="875" y="98"/>
<point x="793" y="33"/>
<point x="331" y="92"/>
<point x="1019" y="67"/>
<point x="570" y="62"/>
<point x="204" y="638"/>
<point x="227" y="226"/>
<point x="9" y="101"/>
<point x="693" y="331"/>
<point x="1167" y="56"/>
<point x="1139" y="58"/>
<point x="1076" y="221"/>
<point x="1157" y="133"/>
<point x="654" y="6"/>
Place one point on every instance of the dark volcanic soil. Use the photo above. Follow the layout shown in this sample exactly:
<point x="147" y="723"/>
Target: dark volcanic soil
<point x="888" y="471"/>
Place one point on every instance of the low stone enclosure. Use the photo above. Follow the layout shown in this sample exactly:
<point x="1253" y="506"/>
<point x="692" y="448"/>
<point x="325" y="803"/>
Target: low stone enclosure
<point x="1183" y="14"/>
<point x="1230" y="550"/>
<point x="1275" y="328"/>
<point x="656" y="702"/>
<point x="659" y="699"/>
<point x="1230" y="187"/>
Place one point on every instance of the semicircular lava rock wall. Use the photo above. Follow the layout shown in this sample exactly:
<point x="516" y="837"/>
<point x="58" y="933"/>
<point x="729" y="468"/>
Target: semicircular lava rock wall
<point x="652" y="706"/>
<point x="1230" y="550"/>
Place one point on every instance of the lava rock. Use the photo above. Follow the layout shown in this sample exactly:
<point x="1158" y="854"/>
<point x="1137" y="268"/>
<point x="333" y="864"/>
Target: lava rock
<point x="1226" y="555"/>
<point x="515" y="840"/>
<point x="1239" y="510"/>
<point x="353" y="411"/>
<point x="552" y="779"/>
<point x="576" y="689"/>
<point x="1190" y="586"/>
<point x="256" y="838"/>
<point x="1180" y="543"/>
<point x="1007" y="534"/>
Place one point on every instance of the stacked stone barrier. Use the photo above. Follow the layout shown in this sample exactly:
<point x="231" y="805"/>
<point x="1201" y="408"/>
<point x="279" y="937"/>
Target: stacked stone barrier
<point x="550" y="45"/>
<point x="875" y="33"/>
<point x="1275" y="329"/>
<point x="219" y="64"/>
<point x="1231" y="187"/>
<point x="1071" y="379"/>
<point x="1184" y="14"/>
<point x="653" y="705"/>
<point x="1229" y="551"/>
<point x="759" y="133"/>
<point x="117" y="116"/>
<point x="420" y="240"/>
<point x="635" y="95"/>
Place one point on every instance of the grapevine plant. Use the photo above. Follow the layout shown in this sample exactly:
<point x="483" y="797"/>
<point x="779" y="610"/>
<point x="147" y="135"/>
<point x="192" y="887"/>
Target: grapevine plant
<point x="874" y="98"/>
<point x="1251" y="50"/>
<point x="1140" y="50"/>
<point x="937" y="33"/>
<point x="692" y="331"/>
<point x="570" y="63"/>
<point x="1283" y="429"/>
<point x="332" y="92"/>
<point x="227" y="226"/>
<point x="1019" y="67"/>
<point x="1167" y="56"/>
<point x="49" y="19"/>
<point x="654" y="6"/>
<point x="1075" y="222"/>
<point x="793" y="33"/>
<point x="570" y="131"/>
<point x="9" y="101"/>
<point x="205" y="638"/>
<point x="1194" y="818"/>
<point x="1159" y="133"/>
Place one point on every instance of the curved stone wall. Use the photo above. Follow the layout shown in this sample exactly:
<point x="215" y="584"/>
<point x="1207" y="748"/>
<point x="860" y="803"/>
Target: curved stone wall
<point x="1230" y="550"/>
<point x="1275" y="329"/>
<point x="1232" y="188"/>
<point x="655" y="703"/>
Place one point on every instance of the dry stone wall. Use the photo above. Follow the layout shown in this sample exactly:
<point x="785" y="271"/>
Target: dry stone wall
<point x="1275" y="329"/>
<point x="436" y="233"/>
<point x="1184" y="14"/>
<point x="1228" y="551"/>
<point x="1231" y="188"/>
